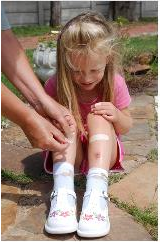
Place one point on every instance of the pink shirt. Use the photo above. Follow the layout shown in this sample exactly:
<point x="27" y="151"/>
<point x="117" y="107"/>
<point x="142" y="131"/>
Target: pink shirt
<point x="121" y="93"/>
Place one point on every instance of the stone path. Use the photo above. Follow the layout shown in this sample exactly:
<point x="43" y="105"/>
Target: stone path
<point x="24" y="209"/>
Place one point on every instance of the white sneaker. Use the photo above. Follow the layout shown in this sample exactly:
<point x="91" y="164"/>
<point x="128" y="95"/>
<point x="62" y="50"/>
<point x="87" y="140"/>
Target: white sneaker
<point x="62" y="216"/>
<point x="94" y="220"/>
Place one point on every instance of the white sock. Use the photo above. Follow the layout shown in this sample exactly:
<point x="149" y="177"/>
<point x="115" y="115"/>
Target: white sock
<point x="97" y="179"/>
<point x="63" y="175"/>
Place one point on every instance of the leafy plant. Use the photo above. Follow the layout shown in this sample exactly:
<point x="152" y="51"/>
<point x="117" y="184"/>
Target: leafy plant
<point x="4" y="122"/>
<point x="153" y="155"/>
<point x="122" y="21"/>
<point x="16" y="178"/>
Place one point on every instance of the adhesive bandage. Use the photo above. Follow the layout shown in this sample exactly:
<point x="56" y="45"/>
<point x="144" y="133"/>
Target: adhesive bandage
<point x="97" y="137"/>
<point x="71" y="138"/>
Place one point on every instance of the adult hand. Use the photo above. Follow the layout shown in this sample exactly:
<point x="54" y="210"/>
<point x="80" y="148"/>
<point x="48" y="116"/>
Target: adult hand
<point x="42" y="134"/>
<point x="107" y="110"/>
<point x="59" y="115"/>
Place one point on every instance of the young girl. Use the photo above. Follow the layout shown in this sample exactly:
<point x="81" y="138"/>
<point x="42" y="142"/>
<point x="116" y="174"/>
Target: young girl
<point x="89" y="84"/>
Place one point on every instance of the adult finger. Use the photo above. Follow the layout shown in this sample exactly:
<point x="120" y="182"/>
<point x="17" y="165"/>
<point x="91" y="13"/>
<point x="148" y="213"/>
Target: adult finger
<point x="50" y="138"/>
<point x="54" y="145"/>
<point x="64" y="124"/>
<point x="72" y="123"/>
<point x="57" y="125"/>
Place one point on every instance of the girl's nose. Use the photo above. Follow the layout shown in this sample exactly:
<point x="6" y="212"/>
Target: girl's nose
<point x="87" y="77"/>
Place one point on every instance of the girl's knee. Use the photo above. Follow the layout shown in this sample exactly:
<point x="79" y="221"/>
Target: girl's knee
<point x="97" y="120"/>
<point x="92" y="118"/>
<point x="74" y="128"/>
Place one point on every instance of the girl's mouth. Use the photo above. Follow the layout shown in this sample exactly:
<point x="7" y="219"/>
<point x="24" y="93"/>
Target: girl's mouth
<point x="87" y="84"/>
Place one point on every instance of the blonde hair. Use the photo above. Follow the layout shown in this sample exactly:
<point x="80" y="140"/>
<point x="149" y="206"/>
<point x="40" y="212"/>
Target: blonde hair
<point x="88" y="32"/>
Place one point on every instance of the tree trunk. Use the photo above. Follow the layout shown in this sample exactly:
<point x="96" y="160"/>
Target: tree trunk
<point x="125" y="9"/>
<point x="55" y="18"/>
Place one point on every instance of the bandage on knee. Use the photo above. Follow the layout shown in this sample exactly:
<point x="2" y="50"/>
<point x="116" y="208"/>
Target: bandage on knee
<point x="98" y="137"/>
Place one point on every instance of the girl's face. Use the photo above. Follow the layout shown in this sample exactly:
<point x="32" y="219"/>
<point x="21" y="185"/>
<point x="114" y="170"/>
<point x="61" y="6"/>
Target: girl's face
<point x="88" y="70"/>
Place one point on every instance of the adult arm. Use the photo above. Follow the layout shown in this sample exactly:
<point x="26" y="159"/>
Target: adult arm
<point x="16" y="67"/>
<point x="40" y="132"/>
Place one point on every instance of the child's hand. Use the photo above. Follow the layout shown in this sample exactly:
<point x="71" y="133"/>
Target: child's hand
<point x="107" y="110"/>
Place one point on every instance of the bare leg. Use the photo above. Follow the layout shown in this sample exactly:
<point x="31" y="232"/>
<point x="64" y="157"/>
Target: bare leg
<point x="79" y="157"/>
<point x="63" y="198"/>
<point x="68" y="155"/>
<point x="101" y="153"/>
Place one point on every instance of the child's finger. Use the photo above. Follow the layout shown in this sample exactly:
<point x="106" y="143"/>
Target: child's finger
<point x="100" y="112"/>
<point x="105" y="107"/>
<point x="101" y="104"/>
<point x="108" y="118"/>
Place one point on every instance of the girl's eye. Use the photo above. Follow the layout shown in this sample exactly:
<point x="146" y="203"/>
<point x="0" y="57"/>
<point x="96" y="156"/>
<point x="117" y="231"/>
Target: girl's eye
<point x="94" y="70"/>
<point x="77" y="72"/>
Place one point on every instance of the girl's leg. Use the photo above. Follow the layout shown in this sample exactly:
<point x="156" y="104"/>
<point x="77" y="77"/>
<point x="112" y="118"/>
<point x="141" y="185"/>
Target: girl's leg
<point x="79" y="156"/>
<point x="71" y="158"/>
<point x="102" y="153"/>
<point x="63" y="166"/>
<point x="62" y="216"/>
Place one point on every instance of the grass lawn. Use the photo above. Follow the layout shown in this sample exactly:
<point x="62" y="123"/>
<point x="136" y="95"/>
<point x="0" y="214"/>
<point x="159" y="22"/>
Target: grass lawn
<point x="131" y="47"/>
<point x="149" y="20"/>
<point x="36" y="30"/>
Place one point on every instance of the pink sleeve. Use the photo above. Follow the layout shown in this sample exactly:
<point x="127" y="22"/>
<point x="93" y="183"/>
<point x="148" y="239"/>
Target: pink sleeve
<point x="122" y="97"/>
<point x="51" y="87"/>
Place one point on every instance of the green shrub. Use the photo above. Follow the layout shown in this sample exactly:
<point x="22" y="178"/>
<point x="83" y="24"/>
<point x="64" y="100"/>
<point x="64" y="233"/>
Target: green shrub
<point x="122" y="21"/>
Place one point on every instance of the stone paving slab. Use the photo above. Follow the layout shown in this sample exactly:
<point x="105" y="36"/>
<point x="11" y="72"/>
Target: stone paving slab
<point x="28" y="224"/>
<point x="21" y="160"/>
<point x="138" y="188"/>
<point x="15" y="136"/>
<point x="8" y="206"/>
<point x="132" y="162"/>
<point x="142" y="107"/>
<point x="140" y="148"/>
<point x="142" y="129"/>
